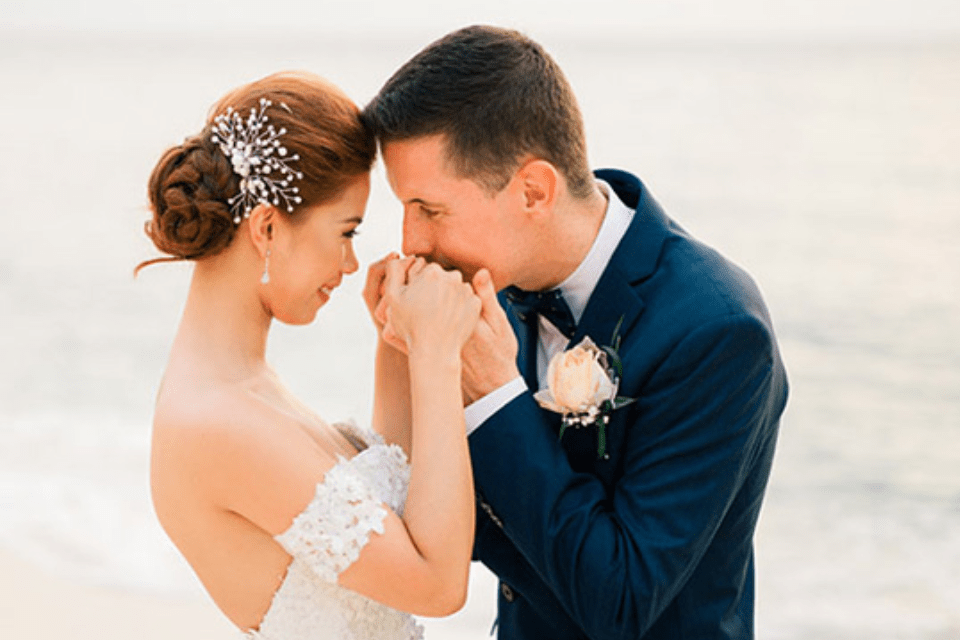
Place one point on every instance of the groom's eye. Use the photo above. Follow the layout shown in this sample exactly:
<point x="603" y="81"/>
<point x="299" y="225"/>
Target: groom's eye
<point x="430" y="213"/>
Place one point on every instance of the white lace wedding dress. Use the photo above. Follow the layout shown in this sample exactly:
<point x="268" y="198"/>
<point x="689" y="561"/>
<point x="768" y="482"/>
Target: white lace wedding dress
<point x="327" y="537"/>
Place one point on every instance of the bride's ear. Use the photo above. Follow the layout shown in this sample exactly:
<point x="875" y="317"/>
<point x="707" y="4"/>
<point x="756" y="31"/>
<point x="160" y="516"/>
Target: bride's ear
<point x="260" y="226"/>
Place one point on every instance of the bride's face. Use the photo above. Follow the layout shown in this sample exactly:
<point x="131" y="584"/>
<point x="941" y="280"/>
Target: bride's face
<point x="309" y="257"/>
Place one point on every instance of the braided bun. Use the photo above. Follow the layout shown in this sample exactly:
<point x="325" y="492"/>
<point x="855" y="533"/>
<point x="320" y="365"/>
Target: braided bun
<point x="190" y="188"/>
<point x="188" y="191"/>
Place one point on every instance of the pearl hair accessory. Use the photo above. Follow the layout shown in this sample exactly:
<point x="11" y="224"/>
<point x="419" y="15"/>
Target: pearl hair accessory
<point x="254" y="148"/>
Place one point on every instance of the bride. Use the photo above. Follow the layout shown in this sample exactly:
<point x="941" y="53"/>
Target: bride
<point x="299" y="528"/>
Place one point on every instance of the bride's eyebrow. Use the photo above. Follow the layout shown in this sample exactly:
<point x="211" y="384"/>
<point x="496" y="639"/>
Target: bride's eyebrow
<point x="356" y="219"/>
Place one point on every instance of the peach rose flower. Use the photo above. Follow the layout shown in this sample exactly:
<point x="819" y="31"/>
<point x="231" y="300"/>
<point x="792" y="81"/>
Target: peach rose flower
<point x="577" y="381"/>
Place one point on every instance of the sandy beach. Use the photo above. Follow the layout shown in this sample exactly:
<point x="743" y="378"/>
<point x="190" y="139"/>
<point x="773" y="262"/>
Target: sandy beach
<point x="41" y="606"/>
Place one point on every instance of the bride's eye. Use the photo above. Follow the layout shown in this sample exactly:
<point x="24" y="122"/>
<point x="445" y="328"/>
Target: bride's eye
<point x="350" y="235"/>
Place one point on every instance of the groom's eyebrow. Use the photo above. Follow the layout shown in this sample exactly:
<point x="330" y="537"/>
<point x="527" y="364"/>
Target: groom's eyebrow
<point x="426" y="203"/>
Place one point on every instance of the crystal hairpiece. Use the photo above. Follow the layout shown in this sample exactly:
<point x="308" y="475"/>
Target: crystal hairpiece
<point x="258" y="157"/>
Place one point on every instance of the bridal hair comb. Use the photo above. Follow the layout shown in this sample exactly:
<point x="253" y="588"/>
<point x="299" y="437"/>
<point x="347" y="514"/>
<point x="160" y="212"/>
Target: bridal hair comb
<point x="253" y="147"/>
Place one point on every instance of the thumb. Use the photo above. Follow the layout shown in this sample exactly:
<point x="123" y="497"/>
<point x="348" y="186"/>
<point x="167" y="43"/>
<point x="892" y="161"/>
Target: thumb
<point x="483" y="287"/>
<point x="392" y="338"/>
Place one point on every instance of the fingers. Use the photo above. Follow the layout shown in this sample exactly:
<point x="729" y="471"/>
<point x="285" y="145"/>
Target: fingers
<point x="390" y="336"/>
<point x="394" y="278"/>
<point x="376" y="272"/>
<point x="416" y="267"/>
<point x="490" y="306"/>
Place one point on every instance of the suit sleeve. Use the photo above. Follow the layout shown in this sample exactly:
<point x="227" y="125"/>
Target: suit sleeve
<point x="616" y="561"/>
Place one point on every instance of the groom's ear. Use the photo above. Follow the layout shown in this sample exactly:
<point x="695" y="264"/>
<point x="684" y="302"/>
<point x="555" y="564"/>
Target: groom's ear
<point x="539" y="181"/>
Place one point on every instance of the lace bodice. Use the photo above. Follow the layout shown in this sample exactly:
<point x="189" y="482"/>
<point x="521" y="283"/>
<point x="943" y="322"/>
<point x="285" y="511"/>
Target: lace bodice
<point x="327" y="537"/>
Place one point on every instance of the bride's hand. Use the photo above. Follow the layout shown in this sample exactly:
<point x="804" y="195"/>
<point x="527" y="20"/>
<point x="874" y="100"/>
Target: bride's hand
<point x="376" y="282"/>
<point x="428" y="308"/>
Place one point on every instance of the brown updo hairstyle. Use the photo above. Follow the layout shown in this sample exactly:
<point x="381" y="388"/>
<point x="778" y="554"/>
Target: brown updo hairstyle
<point x="192" y="182"/>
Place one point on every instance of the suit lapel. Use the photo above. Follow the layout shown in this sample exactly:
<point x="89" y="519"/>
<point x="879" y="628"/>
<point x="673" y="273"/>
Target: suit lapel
<point x="526" y="332"/>
<point x="616" y="299"/>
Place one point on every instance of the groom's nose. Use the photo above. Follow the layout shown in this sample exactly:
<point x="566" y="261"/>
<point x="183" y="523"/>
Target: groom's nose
<point x="416" y="235"/>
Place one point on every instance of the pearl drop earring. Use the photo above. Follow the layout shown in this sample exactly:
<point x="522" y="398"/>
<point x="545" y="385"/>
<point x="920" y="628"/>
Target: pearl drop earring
<point x="265" y="278"/>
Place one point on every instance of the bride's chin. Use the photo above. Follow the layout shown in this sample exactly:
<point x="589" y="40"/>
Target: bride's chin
<point x="298" y="318"/>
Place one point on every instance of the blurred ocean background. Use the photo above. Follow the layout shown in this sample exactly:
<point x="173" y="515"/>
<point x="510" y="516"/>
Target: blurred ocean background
<point x="829" y="168"/>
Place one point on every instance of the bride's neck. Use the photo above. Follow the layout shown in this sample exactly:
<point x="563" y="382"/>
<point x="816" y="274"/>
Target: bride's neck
<point x="224" y="326"/>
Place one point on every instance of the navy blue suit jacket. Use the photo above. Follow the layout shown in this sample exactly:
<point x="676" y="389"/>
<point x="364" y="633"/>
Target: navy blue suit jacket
<point x="654" y="542"/>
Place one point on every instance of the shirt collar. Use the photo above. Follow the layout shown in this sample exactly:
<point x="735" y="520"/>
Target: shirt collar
<point x="579" y="286"/>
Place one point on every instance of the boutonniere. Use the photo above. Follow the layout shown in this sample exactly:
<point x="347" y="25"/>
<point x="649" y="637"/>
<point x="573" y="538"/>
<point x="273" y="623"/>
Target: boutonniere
<point x="582" y="386"/>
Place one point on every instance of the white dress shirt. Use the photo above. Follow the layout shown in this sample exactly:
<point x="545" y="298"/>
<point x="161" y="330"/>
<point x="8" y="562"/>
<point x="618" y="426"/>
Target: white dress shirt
<point x="576" y="290"/>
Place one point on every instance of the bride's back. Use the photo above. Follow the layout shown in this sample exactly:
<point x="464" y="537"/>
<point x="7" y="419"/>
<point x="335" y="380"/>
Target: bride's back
<point x="209" y="440"/>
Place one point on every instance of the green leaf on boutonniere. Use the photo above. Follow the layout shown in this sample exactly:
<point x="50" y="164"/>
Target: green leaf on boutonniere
<point x="615" y="338"/>
<point x="613" y="359"/>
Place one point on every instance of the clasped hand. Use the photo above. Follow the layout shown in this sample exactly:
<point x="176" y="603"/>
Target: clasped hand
<point x="416" y="305"/>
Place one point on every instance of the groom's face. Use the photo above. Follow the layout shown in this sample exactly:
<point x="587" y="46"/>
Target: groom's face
<point x="452" y="220"/>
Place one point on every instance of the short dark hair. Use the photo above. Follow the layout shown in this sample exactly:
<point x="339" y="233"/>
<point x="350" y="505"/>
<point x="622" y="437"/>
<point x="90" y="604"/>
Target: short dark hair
<point x="496" y="96"/>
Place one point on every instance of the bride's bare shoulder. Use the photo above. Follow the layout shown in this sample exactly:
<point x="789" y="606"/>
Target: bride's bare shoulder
<point x="213" y="436"/>
<point x="188" y="410"/>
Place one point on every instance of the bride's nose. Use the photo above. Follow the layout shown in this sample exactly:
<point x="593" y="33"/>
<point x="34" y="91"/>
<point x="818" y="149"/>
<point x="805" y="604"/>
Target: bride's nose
<point x="349" y="262"/>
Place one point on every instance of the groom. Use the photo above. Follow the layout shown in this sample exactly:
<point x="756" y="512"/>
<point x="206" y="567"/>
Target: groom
<point x="639" y="523"/>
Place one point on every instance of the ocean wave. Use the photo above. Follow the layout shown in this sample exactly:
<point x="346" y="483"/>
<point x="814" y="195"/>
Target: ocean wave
<point x="75" y="499"/>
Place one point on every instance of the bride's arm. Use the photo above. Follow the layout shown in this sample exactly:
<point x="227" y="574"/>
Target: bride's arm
<point x="434" y="316"/>
<point x="391" y="391"/>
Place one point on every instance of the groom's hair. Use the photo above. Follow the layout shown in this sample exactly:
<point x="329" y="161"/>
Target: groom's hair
<point x="497" y="98"/>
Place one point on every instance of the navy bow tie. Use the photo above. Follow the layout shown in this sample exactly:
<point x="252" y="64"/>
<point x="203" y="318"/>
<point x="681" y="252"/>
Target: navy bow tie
<point x="549" y="304"/>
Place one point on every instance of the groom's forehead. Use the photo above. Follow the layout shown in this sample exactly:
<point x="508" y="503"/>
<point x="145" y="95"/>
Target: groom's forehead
<point x="419" y="171"/>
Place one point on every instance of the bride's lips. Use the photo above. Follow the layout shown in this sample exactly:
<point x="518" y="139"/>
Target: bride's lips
<point x="326" y="290"/>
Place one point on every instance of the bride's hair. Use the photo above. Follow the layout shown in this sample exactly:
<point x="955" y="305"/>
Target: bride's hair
<point x="192" y="183"/>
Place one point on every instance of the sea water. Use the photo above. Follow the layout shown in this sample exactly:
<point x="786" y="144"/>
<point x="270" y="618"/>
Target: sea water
<point x="830" y="172"/>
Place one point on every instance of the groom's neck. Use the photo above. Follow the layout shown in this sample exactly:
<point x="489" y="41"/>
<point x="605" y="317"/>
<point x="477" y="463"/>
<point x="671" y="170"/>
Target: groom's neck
<point x="566" y="241"/>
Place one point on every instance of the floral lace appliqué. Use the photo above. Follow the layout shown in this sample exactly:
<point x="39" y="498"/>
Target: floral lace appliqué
<point x="327" y="537"/>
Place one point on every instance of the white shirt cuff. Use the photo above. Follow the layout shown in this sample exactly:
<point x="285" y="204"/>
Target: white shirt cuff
<point x="478" y="412"/>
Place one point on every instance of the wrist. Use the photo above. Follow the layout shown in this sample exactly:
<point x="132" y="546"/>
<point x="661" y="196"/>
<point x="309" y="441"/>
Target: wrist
<point x="476" y="387"/>
<point x="438" y="359"/>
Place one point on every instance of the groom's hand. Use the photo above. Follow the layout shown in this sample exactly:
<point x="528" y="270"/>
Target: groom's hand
<point x="490" y="355"/>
